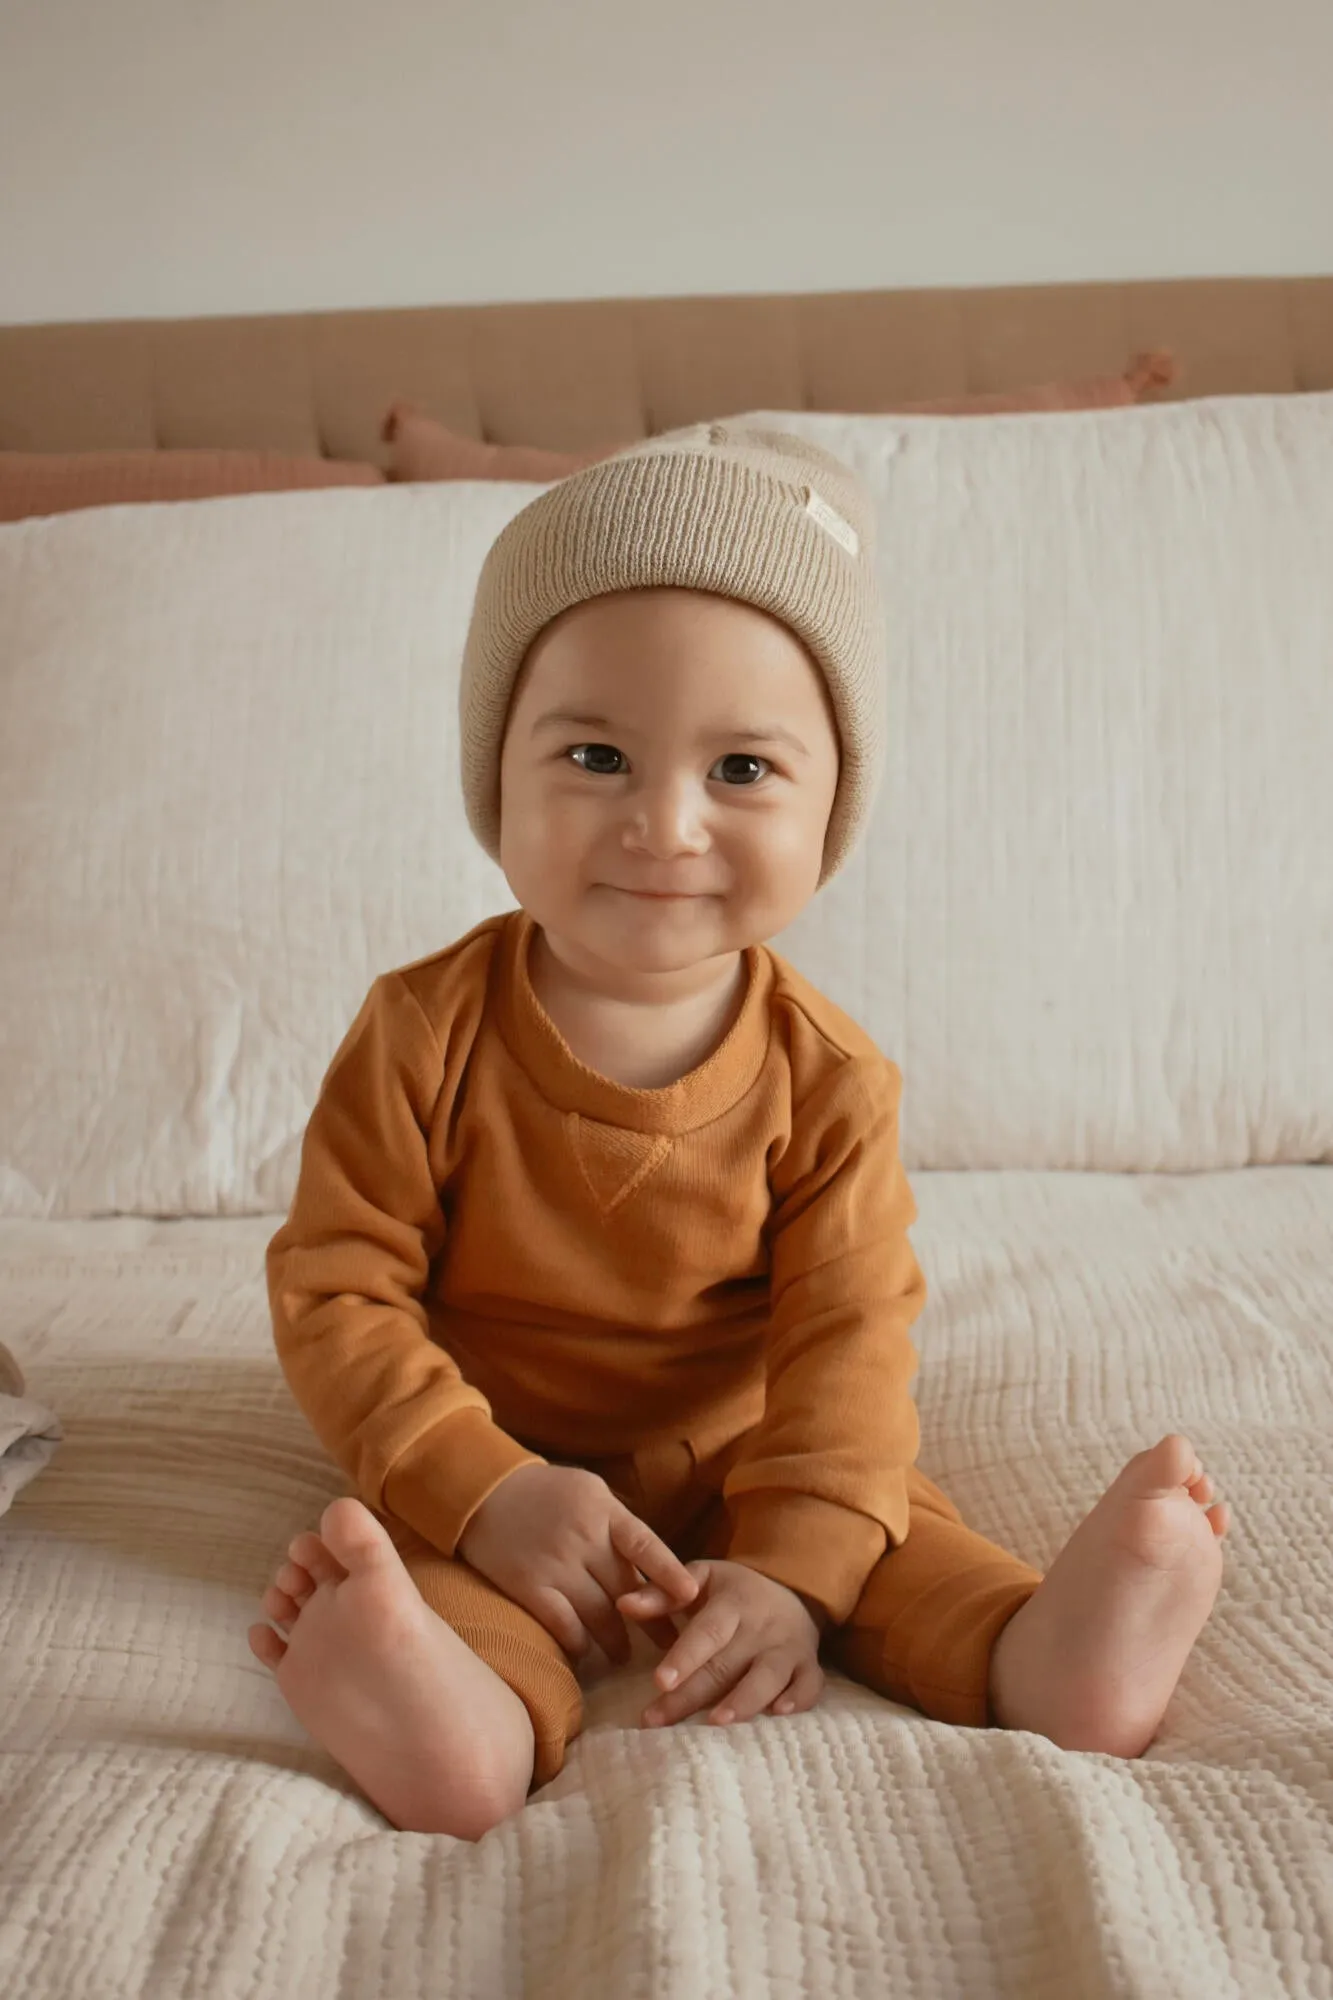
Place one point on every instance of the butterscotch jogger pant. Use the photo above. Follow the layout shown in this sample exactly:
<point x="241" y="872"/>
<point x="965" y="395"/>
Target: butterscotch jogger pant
<point x="921" y="1631"/>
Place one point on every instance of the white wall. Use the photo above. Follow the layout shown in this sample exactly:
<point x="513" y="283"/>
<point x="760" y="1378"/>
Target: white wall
<point x="211" y="156"/>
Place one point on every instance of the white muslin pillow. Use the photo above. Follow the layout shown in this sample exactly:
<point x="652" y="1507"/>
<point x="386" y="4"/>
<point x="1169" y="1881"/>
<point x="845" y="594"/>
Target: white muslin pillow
<point x="1092" y="917"/>
<point x="229" y="797"/>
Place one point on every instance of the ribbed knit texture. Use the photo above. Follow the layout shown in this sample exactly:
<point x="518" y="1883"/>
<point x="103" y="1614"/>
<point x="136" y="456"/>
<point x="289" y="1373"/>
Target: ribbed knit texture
<point x="496" y="1254"/>
<point x="749" y="513"/>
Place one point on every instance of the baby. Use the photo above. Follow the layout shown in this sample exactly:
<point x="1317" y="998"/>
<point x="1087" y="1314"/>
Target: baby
<point x="597" y="1282"/>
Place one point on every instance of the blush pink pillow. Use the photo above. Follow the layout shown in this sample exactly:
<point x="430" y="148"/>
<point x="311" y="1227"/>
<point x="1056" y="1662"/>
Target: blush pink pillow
<point x="60" y="482"/>
<point x="1145" y="374"/>
<point x="424" y="448"/>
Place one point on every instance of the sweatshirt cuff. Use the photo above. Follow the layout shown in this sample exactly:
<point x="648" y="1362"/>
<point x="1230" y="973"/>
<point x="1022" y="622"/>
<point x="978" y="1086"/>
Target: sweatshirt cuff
<point x="824" y="1551"/>
<point x="439" y="1482"/>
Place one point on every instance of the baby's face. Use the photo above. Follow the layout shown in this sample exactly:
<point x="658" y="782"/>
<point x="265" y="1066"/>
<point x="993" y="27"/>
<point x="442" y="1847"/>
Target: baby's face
<point x="639" y="756"/>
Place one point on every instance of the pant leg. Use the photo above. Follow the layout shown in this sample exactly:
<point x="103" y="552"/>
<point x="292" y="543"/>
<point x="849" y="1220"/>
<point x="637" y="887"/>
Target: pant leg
<point x="924" y="1626"/>
<point x="513" y="1643"/>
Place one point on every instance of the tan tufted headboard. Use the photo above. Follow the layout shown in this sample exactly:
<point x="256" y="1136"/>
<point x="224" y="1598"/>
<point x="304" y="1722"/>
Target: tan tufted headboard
<point x="604" y="371"/>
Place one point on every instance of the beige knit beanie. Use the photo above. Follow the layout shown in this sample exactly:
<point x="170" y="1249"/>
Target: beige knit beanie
<point x="746" y="512"/>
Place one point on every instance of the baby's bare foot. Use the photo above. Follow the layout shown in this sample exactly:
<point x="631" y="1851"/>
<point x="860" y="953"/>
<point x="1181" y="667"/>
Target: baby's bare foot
<point x="1092" y="1658"/>
<point x="435" y="1739"/>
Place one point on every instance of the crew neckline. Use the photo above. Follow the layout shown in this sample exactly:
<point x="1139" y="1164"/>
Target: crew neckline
<point x="538" y="1046"/>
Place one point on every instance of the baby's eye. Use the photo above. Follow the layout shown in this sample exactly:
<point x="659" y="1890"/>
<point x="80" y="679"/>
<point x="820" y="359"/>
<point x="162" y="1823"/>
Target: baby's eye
<point x="743" y="757"/>
<point x="594" y="751"/>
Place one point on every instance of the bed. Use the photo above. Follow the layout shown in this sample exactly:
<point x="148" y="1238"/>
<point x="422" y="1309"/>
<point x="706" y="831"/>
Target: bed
<point x="1092" y="920"/>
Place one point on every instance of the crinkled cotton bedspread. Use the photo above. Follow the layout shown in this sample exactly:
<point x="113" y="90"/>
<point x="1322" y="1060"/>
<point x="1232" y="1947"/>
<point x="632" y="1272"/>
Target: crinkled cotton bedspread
<point x="168" y="1831"/>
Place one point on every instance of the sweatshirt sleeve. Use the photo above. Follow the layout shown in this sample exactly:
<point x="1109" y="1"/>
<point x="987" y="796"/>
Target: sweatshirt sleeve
<point x="347" y="1275"/>
<point x="819" y="1489"/>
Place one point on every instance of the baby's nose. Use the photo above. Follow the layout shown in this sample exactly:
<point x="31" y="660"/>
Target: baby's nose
<point x="668" y="818"/>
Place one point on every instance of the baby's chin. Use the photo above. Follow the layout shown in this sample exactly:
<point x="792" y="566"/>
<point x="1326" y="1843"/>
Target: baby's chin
<point x="654" y="934"/>
<point x="661" y="922"/>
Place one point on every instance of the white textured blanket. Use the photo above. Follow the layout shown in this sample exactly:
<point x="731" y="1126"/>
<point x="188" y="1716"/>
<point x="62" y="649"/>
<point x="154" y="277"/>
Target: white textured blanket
<point x="167" y="1831"/>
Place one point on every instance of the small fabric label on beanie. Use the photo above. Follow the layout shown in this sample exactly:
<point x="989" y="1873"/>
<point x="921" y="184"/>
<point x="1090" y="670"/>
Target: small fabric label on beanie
<point x="831" y="521"/>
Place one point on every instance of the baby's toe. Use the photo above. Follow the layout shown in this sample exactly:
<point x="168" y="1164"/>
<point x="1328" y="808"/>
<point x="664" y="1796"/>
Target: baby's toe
<point x="265" y="1644"/>
<point x="279" y="1607"/>
<point x="1170" y="1463"/>
<point x="354" y="1539"/>
<point x="296" y="1581"/>
<point x="1202" y="1490"/>
<point x="310" y="1553"/>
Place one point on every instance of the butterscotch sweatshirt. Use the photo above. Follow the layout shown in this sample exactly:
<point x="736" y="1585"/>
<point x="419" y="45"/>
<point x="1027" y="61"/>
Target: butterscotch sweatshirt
<point x="495" y="1254"/>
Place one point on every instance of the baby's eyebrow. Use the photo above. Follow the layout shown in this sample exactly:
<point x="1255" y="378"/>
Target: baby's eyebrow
<point x="769" y="733"/>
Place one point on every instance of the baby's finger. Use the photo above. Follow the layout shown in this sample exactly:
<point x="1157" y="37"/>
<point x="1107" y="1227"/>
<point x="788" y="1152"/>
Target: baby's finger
<point x="599" y="1617"/>
<point x="608" y="1578"/>
<point x="768" y="1677"/>
<point x="807" y="1684"/>
<point x="713" y="1628"/>
<point x="707" y="1686"/>
<point x="648" y="1552"/>
<point x="651" y="1601"/>
<point x="615" y="1573"/>
<point x="553" y="1610"/>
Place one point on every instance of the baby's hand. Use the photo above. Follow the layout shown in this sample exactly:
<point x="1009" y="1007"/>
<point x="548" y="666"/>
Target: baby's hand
<point x="556" y="1540"/>
<point x="749" y="1645"/>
